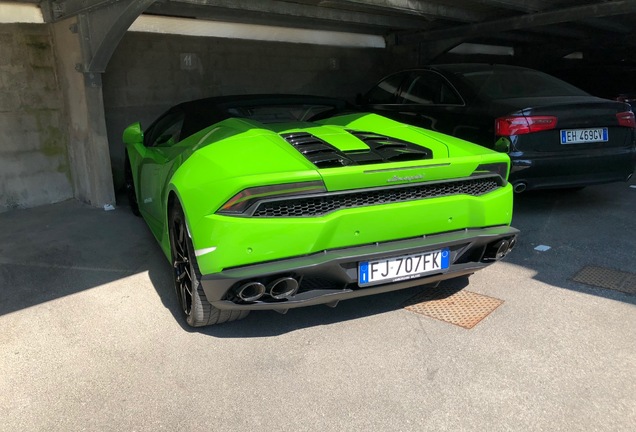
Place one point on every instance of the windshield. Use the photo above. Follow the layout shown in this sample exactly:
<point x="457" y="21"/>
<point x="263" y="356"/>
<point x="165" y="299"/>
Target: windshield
<point x="518" y="83"/>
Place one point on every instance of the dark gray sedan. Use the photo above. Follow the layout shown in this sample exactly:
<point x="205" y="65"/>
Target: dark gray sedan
<point x="557" y="135"/>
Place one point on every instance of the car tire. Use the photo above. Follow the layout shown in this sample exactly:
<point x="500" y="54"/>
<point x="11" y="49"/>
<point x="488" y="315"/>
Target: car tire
<point x="196" y="309"/>
<point x="130" y="188"/>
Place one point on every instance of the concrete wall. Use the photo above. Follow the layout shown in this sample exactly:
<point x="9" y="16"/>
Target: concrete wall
<point x="42" y="152"/>
<point x="34" y="165"/>
<point x="151" y="72"/>
<point x="87" y="139"/>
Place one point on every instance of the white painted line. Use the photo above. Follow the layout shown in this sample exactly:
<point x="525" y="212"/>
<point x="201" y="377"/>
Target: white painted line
<point x="542" y="248"/>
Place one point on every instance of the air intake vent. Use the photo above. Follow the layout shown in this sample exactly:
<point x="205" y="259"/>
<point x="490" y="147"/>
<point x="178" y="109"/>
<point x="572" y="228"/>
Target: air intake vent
<point x="317" y="151"/>
<point x="382" y="149"/>
<point x="392" y="149"/>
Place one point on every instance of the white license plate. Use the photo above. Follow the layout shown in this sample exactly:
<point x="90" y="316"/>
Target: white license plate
<point x="402" y="268"/>
<point x="577" y="136"/>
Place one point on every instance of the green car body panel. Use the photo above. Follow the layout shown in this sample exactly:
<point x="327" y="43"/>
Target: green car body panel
<point x="208" y="168"/>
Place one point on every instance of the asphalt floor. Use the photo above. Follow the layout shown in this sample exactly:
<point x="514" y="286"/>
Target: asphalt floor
<point x="91" y="338"/>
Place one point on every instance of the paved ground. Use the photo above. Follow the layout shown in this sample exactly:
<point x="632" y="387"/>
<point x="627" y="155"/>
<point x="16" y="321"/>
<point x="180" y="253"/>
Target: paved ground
<point x="90" y="338"/>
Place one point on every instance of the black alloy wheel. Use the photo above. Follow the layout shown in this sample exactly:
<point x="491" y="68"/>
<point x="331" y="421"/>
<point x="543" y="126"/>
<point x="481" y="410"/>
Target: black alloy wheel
<point x="181" y="262"/>
<point x="194" y="305"/>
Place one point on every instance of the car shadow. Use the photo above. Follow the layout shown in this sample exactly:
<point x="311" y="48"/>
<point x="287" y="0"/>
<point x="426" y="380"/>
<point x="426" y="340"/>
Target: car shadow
<point x="260" y="324"/>
<point x="62" y="249"/>
<point x="589" y="227"/>
<point x="569" y="222"/>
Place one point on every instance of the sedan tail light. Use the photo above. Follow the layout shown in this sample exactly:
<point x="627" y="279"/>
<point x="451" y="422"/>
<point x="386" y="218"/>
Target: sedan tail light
<point x="626" y="119"/>
<point x="519" y="125"/>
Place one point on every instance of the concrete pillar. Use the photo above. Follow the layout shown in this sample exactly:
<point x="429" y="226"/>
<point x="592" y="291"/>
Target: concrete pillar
<point x="88" y="143"/>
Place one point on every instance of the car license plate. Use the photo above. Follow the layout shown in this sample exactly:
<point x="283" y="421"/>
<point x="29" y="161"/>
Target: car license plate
<point x="577" y="136"/>
<point x="403" y="268"/>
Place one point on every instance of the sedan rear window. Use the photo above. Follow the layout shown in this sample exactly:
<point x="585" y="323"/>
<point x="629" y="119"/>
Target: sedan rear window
<point x="386" y="91"/>
<point x="517" y="83"/>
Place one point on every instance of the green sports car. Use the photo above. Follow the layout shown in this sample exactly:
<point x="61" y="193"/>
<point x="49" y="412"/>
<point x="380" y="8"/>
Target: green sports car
<point x="283" y="201"/>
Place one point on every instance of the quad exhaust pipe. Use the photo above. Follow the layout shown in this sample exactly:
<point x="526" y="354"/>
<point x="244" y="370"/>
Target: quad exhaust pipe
<point x="251" y="291"/>
<point x="279" y="289"/>
<point x="283" y="288"/>
<point x="499" y="249"/>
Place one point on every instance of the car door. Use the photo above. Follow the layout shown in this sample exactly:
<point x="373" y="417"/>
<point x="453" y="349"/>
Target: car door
<point x="161" y="150"/>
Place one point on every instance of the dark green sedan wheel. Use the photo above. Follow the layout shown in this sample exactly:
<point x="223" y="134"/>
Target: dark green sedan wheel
<point x="197" y="310"/>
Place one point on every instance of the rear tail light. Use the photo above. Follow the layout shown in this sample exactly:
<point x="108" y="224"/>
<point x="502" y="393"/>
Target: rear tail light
<point x="519" y="125"/>
<point x="626" y="119"/>
<point x="240" y="202"/>
<point x="498" y="168"/>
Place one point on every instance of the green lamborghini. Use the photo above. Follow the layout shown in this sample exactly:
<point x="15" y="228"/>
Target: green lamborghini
<point x="282" y="201"/>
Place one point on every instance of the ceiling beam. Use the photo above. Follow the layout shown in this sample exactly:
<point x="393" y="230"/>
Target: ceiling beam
<point x="57" y="10"/>
<point x="417" y="9"/>
<point x="280" y="12"/>
<point x="422" y="9"/>
<point x="521" y="22"/>
<point x="561" y="32"/>
<point x="518" y="5"/>
<point x="101" y="29"/>
<point x="607" y="25"/>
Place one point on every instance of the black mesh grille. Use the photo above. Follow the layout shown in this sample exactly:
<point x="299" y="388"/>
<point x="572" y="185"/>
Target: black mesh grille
<point x="320" y="205"/>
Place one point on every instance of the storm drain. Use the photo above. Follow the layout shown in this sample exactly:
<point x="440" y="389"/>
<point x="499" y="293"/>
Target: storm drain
<point x="462" y="308"/>
<point x="604" y="277"/>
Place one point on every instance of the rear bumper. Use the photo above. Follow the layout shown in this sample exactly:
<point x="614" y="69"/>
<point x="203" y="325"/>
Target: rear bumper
<point x="331" y="276"/>
<point x="544" y="170"/>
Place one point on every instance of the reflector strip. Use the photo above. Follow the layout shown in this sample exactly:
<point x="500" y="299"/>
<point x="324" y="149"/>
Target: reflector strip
<point x="205" y="251"/>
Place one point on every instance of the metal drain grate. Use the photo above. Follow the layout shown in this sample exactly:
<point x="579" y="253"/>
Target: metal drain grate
<point x="604" y="277"/>
<point x="462" y="308"/>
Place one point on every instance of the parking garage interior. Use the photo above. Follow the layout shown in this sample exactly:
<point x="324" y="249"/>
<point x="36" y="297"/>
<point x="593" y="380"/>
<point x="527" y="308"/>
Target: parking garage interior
<point x="75" y="73"/>
<point x="87" y="313"/>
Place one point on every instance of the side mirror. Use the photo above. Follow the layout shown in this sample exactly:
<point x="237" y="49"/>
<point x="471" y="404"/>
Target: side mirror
<point x="133" y="134"/>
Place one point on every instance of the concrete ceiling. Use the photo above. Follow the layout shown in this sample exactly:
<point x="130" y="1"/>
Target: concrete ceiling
<point x="603" y="29"/>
